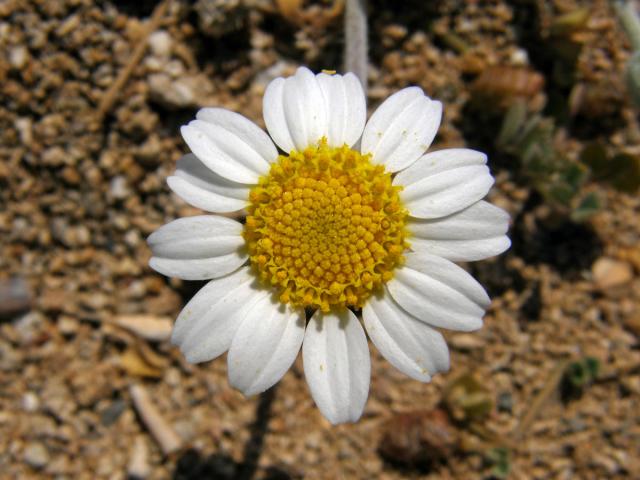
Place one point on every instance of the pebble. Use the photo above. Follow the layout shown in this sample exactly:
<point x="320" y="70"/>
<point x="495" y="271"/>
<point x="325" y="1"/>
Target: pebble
<point x="24" y="126"/>
<point x="609" y="273"/>
<point x="172" y="94"/>
<point x="15" y="296"/>
<point x="18" y="56"/>
<point x="118" y="188"/>
<point x="36" y="455"/>
<point x="30" y="402"/>
<point x="160" y="43"/>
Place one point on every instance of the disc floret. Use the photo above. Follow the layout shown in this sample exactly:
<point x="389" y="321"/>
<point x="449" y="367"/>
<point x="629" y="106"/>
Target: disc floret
<point x="325" y="227"/>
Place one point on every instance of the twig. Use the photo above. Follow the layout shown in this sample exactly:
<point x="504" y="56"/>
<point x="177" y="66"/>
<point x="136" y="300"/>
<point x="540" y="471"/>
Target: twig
<point x="109" y="98"/>
<point x="356" y="44"/>
<point x="539" y="401"/>
<point x="162" y="432"/>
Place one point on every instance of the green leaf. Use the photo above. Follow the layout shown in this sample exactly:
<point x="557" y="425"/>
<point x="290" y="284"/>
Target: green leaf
<point x="575" y="175"/>
<point x="500" y="458"/>
<point x="562" y="193"/>
<point x="589" y="205"/>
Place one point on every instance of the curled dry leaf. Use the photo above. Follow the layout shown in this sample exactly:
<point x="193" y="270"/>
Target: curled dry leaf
<point x="135" y="364"/>
<point x="295" y="13"/>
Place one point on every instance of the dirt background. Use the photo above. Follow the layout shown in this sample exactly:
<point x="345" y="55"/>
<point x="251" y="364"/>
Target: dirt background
<point x="91" y="388"/>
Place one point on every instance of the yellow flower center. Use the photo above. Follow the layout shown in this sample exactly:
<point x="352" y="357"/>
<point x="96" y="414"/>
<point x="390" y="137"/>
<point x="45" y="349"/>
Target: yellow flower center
<point x="325" y="227"/>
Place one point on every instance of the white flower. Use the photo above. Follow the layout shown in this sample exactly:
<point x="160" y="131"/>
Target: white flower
<point x="330" y="227"/>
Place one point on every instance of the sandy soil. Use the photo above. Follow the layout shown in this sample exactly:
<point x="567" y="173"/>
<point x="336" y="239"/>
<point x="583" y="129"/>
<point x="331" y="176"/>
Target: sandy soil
<point x="84" y="393"/>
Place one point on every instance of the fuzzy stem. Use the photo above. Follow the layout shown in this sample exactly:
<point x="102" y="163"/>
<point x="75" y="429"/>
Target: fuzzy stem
<point x="356" y="45"/>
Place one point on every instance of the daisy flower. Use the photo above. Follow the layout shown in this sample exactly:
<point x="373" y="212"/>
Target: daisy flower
<point x="349" y="219"/>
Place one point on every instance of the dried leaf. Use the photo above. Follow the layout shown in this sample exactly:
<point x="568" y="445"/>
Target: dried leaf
<point x="134" y="364"/>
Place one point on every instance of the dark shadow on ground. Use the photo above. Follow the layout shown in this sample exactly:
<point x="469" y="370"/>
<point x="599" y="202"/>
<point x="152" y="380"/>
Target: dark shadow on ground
<point x="192" y="465"/>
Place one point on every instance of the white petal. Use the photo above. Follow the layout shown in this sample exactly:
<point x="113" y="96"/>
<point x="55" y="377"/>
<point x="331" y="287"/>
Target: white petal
<point x="206" y="325"/>
<point x="337" y="365"/>
<point x="230" y="145"/>
<point x="273" y="113"/>
<point x="264" y="346"/>
<point x="401" y="129"/>
<point x="197" y="248"/>
<point x="199" y="186"/>
<point x="474" y="233"/>
<point x="294" y="111"/>
<point x="346" y="108"/>
<point x="444" y="182"/>
<point x="439" y="292"/>
<point x="413" y="347"/>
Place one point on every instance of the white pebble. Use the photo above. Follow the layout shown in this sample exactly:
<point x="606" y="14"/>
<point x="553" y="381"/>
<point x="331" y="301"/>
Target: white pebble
<point x="160" y="43"/>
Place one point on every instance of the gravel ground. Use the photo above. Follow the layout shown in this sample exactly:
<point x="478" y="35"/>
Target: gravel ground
<point x="90" y="386"/>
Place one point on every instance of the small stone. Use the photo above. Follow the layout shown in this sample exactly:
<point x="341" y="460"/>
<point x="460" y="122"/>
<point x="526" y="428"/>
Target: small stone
<point x="119" y="188"/>
<point x="183" y="92"/>
<point x="71" y="175"/>
<point x="24" y="126"/>
<point x="15" y="297"/>
<point x="67" y="325"/>
<point x="18" y="56"/>
<point x="609" y="273"/>
<point x="30" y="402"/>
<point x="111" y="414"/>
<point x="53" y="300"/>
<point x="36" y="455"/>
<point x="160" y="43"/>
<point x="171" y="94"/>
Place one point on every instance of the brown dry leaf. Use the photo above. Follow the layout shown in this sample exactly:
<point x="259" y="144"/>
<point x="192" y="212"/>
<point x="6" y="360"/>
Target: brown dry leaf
<point x="150" y="356"/>
<point x="319" y="17"/>
<point x="136" y="365"/>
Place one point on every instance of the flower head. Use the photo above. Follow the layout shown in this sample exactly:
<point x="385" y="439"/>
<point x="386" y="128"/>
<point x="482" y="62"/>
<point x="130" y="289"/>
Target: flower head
<point x="352" y="217"/>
